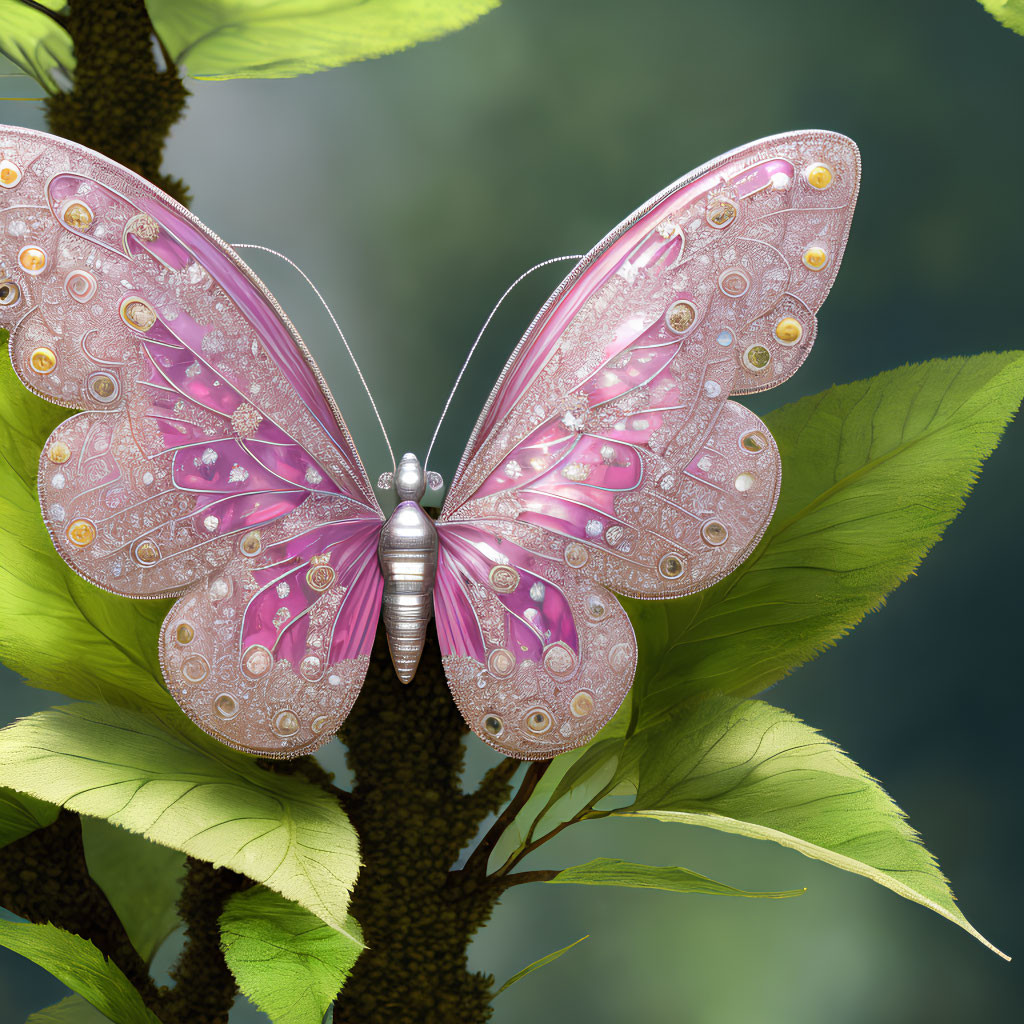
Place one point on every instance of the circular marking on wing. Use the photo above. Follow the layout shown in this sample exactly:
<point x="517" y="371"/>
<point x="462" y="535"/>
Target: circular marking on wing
<point x="32" y="259"/>
<point x="789" y="331"/>
<point x="138" y="314"/>
<point x="9" y="293"/>
<point x="257" y="661"/>
<point x="80" y="285"/>
<point x="219" y="589"/>
<point x="757" y="358"/>
<point x="501" y="662"/>
<point x="733" y="282"/>
<point x="576" y="555"/>
<point x="680" y="316"/>
<point x="58" y="452"/>
<point x="714" y="533"/>
<point x="103" y="387"/>
<point x="311" y="667"/>
<point x="318" y="724"/>
<point x="251" y="544"/>
<point x="184" y="634"/>
<point x="225" y="705"/>
<point x="43" y="360"/>
<point x="195" y="668"/>
<point x="10" y="174"/>
<point x="77" y="215"/>
<point x="754" y="441"/>
<point x="286" y="724"/>
<point x="613" y="535"/>
<point x="595" y="607"/>
<point x="493" y="725"/>
<point x="721" y="212"/>
<point x="143" y="226"/>
<point x="781" y="181"/>
<point x="744" y="482"/>
<point x="81" y="532"/>
<point x="725" y="337"/>
<point x="537" y="592"/>
<point x="582" y="704"/>
<point x="504" y="579"/>
<point x="559" y="659"/>
<point x="819" y="176"/>
<point x="537" y="720"/>
<point x="620" y="658"/>
<point x="146" y="552"/>
<point x="246" y="420"/>
<point x="320" y="575"/>
<point x="815" y="258"/>
<point x="672" y="566"/>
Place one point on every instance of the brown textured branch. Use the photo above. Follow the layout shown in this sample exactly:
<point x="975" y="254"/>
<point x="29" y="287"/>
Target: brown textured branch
<point x="44" y="878"/>
<point x="524" y="877"/>
<point x="476" y="866"/>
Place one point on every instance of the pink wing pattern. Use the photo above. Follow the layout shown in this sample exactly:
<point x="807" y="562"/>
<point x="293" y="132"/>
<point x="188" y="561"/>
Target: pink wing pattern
<point x="609" y="454"/>
<point x="210" y="461"/>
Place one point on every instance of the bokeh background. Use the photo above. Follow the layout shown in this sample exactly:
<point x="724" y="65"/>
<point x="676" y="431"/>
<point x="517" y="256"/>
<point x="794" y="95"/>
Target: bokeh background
<point x="414" y="188"/>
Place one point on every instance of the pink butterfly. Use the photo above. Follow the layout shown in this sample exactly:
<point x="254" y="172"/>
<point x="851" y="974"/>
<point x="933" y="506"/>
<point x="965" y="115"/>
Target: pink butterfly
<point x="212" y="464"/>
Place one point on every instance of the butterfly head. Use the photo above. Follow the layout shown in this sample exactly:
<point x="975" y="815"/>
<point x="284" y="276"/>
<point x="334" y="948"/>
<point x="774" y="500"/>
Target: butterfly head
<point x="409" y="480"/>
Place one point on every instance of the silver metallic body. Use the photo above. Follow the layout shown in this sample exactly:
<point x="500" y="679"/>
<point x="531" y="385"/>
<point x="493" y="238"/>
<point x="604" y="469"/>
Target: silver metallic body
<point x="408" y="561"/>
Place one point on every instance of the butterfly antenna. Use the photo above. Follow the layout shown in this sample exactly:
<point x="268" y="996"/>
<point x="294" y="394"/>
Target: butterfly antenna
<point x="337" y="327"/>
<point x="472" y="348"/>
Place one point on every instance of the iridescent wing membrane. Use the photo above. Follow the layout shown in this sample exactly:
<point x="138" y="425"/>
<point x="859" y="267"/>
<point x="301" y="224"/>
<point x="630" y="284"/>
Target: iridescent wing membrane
<point x="210" y="461"/>
<point x="609" y="456"/>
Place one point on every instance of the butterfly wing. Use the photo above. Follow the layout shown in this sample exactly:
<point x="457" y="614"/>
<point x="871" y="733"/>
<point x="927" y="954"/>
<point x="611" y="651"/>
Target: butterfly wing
<point x="210" y="461"/>
<point x="609" y="454"/>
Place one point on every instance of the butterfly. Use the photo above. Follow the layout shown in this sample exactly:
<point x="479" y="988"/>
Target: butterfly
<point x="210" y="462"/>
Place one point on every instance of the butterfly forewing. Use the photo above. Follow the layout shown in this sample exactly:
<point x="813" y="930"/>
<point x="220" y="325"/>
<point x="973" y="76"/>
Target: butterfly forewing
<point x="210" y="461"/>
<point x="609" y="447"/>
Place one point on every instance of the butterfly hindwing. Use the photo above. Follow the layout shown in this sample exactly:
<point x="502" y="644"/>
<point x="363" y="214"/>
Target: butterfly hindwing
<point x="610" y="446"/>
<point x="210" y="460"/>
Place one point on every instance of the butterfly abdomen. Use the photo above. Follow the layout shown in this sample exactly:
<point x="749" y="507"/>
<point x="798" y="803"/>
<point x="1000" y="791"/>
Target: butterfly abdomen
<point x="408" y="562"/>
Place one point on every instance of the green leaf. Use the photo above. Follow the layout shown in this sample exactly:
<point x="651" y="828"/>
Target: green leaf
<point x="606" y="871"/>
<point x="141" y="879"/>
<point x="281" y="38"/>
<point x="72" y="1010"/>
<point x="189" y="794"/>
<point x="1008" y="12"/>
<point x="542" y="962"/>
<point x="34" y="42"/>
<point x="873" y="472"/>
<point x="285" y="960"/>
<point x="746" y="767"/>
<point x="81" y="966"/>
<point x="20" y="814"/>
<point x="107" y="649"/>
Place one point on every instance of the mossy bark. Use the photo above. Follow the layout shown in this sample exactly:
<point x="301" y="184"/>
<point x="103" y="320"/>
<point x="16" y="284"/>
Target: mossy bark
<point x="406" y="748"/>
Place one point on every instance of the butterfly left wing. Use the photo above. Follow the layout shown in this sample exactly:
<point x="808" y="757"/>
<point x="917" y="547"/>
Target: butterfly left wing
<point x="209" y="462"/>
<point x="609" y="454"/>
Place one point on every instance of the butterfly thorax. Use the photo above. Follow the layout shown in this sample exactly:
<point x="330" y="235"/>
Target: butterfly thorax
<point x="408" y="561"/>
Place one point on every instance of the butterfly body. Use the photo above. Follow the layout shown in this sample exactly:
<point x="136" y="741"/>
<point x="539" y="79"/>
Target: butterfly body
<point x="210" y="463"/>
<point x="408" y="559"/>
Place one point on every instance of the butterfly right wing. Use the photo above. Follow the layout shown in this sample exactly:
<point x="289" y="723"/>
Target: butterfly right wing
<point x="609" y="451"/>
<point x="210" y="461"/>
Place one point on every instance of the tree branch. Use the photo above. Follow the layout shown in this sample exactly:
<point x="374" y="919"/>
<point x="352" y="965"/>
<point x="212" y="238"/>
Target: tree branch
<point x="477" y="862"/>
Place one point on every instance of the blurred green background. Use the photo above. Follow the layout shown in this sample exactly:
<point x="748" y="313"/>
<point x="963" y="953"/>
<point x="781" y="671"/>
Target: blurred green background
<point x="412" y="189"/>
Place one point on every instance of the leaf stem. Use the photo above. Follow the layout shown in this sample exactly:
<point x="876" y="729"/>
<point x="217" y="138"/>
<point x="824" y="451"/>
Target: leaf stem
<point x="477" y="862"/>
<point x="60" y="19"/>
